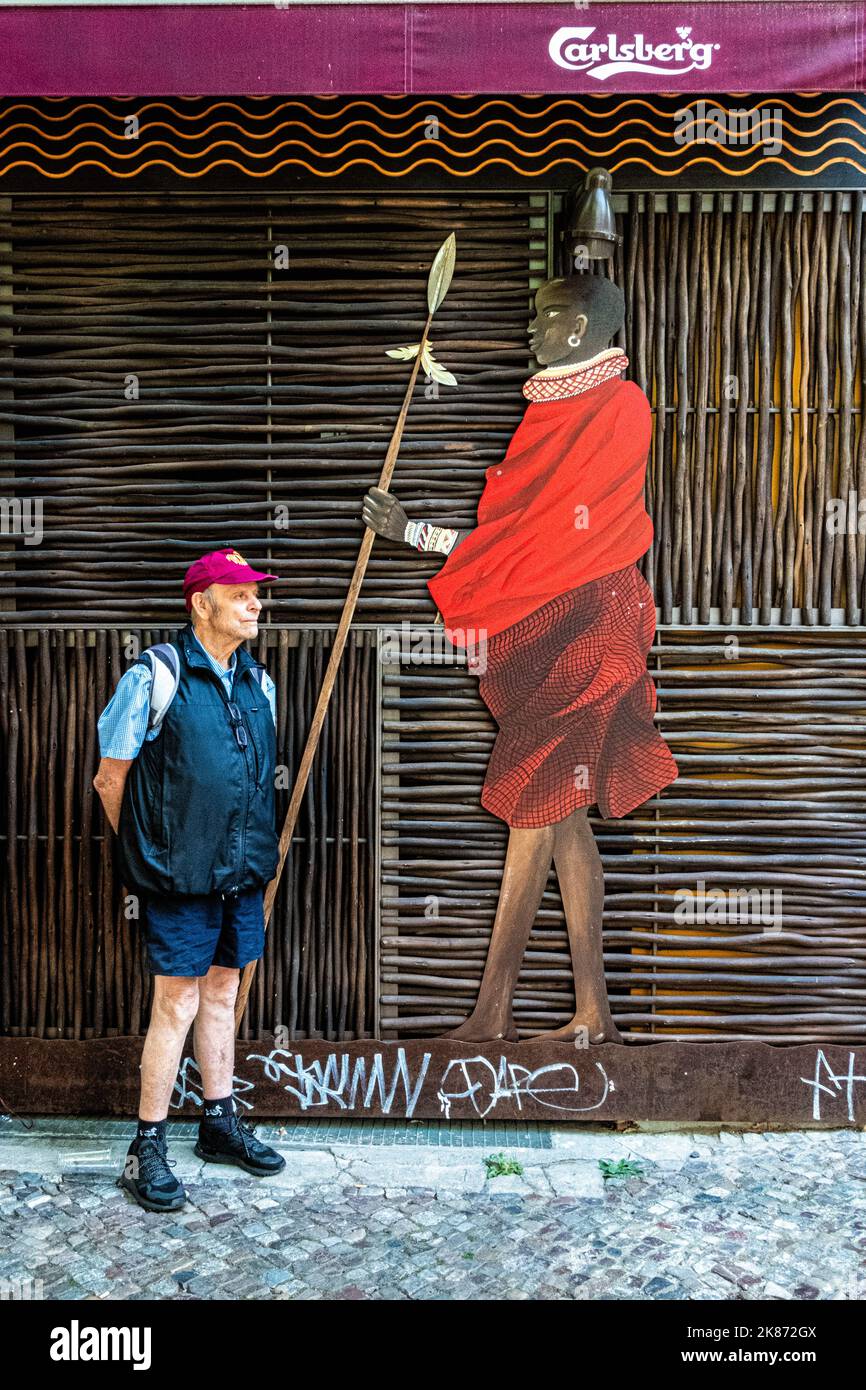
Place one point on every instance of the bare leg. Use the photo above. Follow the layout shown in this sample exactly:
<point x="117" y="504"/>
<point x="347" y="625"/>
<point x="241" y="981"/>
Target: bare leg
<point x="581" y="882"/>
<point x="215" y="1031"/>
<point x="175" y="1001"/>
<point x="527" y="865"/>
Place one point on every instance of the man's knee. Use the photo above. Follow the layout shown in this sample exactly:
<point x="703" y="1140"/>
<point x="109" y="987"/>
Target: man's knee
<point x="176" y="998"/>
<point x="220" y="986"/>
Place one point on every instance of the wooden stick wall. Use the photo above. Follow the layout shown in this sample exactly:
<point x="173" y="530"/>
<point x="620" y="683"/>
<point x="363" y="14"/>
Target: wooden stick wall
<point x="770" y="738"/>
<point x="190" y="369"/>
<point x="170" y="387"/>
<point x="183" y="363"/>
<point x="746" y="327"/>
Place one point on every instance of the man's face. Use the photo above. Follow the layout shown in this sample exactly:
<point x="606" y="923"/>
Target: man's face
<point x="238" y="609"/>
<point x="555" y="319"/>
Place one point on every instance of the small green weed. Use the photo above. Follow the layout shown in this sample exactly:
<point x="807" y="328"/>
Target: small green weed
<point x="622" y="1168"/>
<point x="498" y="1165"/>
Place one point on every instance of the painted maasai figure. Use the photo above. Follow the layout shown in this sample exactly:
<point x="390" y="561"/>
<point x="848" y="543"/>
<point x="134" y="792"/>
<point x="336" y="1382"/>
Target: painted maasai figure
<point x="557" y="621"/>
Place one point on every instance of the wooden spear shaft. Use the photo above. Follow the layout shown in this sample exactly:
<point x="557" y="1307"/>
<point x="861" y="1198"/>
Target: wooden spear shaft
<point x="330" y="677"/>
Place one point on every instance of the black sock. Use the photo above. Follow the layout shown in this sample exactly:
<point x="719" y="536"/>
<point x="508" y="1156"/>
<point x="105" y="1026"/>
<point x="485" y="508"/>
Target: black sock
<point x="150" y="1129"/>
<point x="218" y="1112"/>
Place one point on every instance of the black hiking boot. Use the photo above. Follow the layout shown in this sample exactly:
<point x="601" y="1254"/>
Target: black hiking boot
<point x="236" y="1142"/>
<point x="147" y="1177"/>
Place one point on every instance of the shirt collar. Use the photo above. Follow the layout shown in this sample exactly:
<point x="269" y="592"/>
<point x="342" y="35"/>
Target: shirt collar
<point x="212" y="659"/>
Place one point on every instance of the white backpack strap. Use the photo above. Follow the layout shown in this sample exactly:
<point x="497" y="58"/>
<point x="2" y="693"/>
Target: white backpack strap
<point x="164" y="664"/>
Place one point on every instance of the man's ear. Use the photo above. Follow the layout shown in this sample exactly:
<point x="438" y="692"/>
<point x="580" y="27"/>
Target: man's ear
<point x="581" y="324"/>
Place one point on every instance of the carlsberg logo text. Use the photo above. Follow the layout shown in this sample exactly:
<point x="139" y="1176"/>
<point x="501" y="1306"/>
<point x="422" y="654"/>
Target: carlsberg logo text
<point x="569" y="49"/>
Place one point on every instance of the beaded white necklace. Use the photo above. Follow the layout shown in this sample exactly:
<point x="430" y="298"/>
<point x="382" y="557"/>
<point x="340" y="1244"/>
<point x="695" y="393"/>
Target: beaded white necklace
<point x="559" y="383"/>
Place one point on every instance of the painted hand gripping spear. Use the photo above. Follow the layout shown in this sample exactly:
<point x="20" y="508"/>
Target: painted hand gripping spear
<point x="438" y="282"/>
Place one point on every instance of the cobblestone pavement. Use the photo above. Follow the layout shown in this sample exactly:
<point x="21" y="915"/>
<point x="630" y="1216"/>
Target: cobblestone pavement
<point x="710" y="1216"/>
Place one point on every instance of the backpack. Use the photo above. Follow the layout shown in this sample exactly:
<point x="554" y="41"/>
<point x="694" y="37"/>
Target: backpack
<point x="164" y="664"/>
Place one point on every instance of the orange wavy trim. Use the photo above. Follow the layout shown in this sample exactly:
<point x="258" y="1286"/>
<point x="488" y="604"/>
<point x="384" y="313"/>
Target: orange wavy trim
<point x="390" y="173"/>
<point x="731" y="154"/>
<point x="351" y="125"/>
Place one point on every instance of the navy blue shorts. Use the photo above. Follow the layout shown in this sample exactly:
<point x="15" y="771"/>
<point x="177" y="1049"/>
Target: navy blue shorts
<point x="187" y="935"/>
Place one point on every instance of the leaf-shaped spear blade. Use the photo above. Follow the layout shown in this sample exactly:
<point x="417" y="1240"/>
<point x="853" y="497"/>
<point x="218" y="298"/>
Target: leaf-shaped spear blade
<point x="441" y="272"/>
<point x="438" y="281"/>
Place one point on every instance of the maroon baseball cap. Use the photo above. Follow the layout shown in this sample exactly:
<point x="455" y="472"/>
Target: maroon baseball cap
<point x="226" y="566"/>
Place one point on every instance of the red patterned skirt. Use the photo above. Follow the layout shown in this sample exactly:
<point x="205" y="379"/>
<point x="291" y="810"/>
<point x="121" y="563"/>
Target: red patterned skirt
<point x="570" y="690"/>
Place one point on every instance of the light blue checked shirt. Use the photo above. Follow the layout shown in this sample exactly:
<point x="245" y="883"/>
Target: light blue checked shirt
<point x="122" y="726"/>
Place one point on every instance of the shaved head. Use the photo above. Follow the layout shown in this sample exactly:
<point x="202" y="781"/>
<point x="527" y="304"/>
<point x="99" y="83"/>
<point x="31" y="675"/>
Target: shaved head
<point x="575" y="318"/>
<point x="600" y="299"/>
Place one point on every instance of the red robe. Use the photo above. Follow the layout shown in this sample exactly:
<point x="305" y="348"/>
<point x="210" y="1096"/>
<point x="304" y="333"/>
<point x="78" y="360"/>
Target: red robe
<point x="558" y="619"/>
<point x="563" y="507"/>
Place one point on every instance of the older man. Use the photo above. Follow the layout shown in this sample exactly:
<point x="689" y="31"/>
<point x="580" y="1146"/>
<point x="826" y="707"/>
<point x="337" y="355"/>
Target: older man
<point x="192" y="802"/>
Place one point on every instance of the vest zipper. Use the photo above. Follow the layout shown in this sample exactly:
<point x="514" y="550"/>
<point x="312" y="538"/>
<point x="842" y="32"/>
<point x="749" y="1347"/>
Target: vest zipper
<point x="243" y="849"/>
<point x="246" y="822"/>
<point x="243" y="853"/>
<point x="257" y="769"/>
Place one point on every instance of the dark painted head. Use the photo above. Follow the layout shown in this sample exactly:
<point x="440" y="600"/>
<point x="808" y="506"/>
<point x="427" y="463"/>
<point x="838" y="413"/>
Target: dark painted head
<point x="590" y="308"/>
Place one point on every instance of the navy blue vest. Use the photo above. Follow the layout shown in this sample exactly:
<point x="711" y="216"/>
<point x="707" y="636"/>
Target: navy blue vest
<point x="198" y="810"/>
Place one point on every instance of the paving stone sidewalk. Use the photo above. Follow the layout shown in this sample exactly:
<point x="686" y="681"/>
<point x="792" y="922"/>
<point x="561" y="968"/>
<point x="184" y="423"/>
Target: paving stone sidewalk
<point x="725" y="1215"/>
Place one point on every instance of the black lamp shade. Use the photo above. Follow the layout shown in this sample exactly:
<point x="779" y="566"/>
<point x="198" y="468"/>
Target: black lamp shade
<point x="593" y="228"/>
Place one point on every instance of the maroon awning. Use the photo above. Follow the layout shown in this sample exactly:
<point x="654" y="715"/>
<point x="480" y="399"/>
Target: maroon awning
<point x="176" y="50"/>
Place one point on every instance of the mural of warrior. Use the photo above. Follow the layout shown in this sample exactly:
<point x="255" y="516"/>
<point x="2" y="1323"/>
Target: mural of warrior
<point x="557" y="621"/>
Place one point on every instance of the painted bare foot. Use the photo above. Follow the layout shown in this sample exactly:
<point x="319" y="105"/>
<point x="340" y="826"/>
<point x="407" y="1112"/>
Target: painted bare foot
<point x="599" y="1031"/>
<point x="481" y="1030"/>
